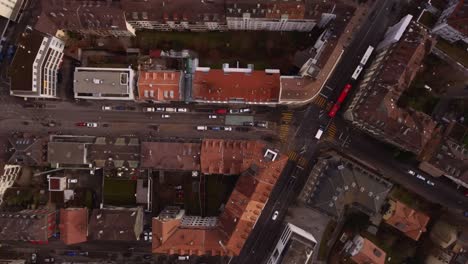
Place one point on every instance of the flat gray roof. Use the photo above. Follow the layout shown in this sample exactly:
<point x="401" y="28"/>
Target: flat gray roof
<point x="102" y="81"/>
<point x="67" y="153"/>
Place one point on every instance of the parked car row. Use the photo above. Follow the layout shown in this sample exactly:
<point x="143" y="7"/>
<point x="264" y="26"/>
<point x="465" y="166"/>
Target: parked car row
<point x="214" y="128"/>
<point x="87" y="124"/>
<point x="422" y="178"/>
<point x="224" y="111"/>
<point x="263" y="124"/>
<point x="165" y="109"/>
<point x="117" y="108"/>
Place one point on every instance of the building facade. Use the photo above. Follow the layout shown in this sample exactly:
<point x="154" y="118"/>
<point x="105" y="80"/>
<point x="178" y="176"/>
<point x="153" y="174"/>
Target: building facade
<point x="452" y="23"/>
<point x="35" y="66"/>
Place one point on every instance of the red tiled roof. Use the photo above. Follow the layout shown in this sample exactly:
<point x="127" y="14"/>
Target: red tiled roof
<point x="73" y="225"/>
<point x="159" y="85"/>
<point x="244" y="207"/>
<point x="218" y="85"/>
<point x="369" y="254"/>
<point x="407" y="220"/>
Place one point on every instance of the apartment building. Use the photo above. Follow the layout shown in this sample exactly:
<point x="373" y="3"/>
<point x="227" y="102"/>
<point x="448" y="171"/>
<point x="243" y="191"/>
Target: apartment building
<point x="94" y="17"/>
<point x="452" y="24"/>
<point x="35" y="66"/>
<point x="374" y="107"/>
<point x="10" y="9"/>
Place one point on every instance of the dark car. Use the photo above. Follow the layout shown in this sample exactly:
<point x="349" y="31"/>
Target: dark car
<point x="243" y="129"/>
<point x="147" y="256"/>
<point x="248" y="123"/>
<point x="221" y="111"/>
<point x="120" y="107"/>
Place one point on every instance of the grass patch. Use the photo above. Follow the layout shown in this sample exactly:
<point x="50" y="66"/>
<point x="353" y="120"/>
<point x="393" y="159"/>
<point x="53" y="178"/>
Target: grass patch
<point x="322" y="254"/>
<point x="428" y="19"/>
<point x="263" y="49"/>
<point x="457" y="51"/>
<point x="119" y="192"/>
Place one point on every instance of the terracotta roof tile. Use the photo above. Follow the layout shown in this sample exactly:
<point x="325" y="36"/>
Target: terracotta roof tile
<point x="159" y="86"/>
<point x="409" y="221"/>
<point x="369" y="254"/>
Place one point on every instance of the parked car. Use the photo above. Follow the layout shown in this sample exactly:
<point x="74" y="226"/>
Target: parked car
<point x="221" y="111"/>
<point x="170" y="109"/>
<point x="106" y="108"/>
<point x="49" y="260"/>
<point x="81" y="124"/>
<point x="212" y="116"/>
<point x="148" y="109"/>
<point x="165" y="116"/>
<point x="72" y="180"/>
<point x="202" y="128"/>
<point x="430" y="183"/>
<point x="160" y="109"/>
<point x="263" y="124"/>
<point x="183" y="110"/>
<point x="234" y="111"/>
<point x="275" y="215"/>
<point x="215" y="128"/>
<point x="120" y="107"/>
<point x="244" y="110"/>
<point x="183" y="258"/>
<point x="248" y="123"/>
<point x="411" y="172"/>
<point x="71" y="253"/>
<point x="33" y="258"/>
<point x="147" y="256"/>
<point x="419" y="176"/>
<point x="243" y="129"/>
<point x="91" y="124"/>
<point x="227" y="128"/>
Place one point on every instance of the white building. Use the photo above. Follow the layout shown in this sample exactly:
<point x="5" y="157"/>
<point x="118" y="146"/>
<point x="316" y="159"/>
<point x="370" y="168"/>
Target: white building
<point x="452" y="23"/>
<point x="35" y="66"/>
<point x="10" y="8"/>
<point x="8" y="176"/>
<point x="104" y="83"/>
<point x="294" y="246"/>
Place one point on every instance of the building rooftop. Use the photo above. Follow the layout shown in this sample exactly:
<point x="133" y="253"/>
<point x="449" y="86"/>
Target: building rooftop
<point x="113" y="82"/>
<point x="27" y="225"/>
<point x="174" y="10"/>
<point x="123" y="224"/>
<point x="267" y="9"/>
<point x="342" y="182"/>
<point x="10" y="8"/>
<point x="171" y="156"/>
<point x="77" y="15"/>
<point x="161" y="86"/>
<point x="366" y="252"/>
<point x="459" y="17"/>
<point x="21" y="67"/>
<point x="409" y="221"/>
<point x="258" y="175"/>
<point x="240" y="85"/>
<point x="73" y="225"/>
<point x="68" y="153"/>
<point x="28" y="151"/>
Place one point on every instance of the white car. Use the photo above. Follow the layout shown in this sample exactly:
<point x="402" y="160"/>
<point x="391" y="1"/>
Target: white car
<point x="106" y="108"/>
<point x="148" y="109"/>
<point x="227" y="128"/>
<point x="183" y="258"/>
<point x="91" y="124"/>
<point x="275" y="215"/>
<point x="182" y="110"/>
<point x="244" y="110"/>
<point x="72" y="180"/>
<point x="165" y="116"/>
<point x="419" y="176"/>
<point x="430" y="183"/>
<point x="160" y="109"/>
<point x="212" y="116"/>
<point x="411" y="172"/>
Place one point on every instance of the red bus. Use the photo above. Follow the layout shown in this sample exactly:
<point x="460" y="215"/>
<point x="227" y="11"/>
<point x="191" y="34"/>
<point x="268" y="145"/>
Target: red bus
<point x="344" y="93"/>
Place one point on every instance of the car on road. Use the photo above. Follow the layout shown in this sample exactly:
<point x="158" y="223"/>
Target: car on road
<point x="71" y="253"/>
<point x="147" y="256"/>
<point x="183" y="258"/>
<point x="106" y="108"/>
<point x="49" y="260"/>
<point x="33" y="258"/>
<point x="411" y="172"/>
<point x="72" y="180"/>
<point x="120" y="107"/>
<point x="215" y="128"/>
<point x="165" y="116"/>
<point x="227" y="128"/>
<point x="221" y="111"/>
<point x="201" y="128"/>
<point x="244" y="110"/>
<point x="170" y="109"/>
<point x="81" y="124"/>
<point x="263" y="124"/>
<point x="248" y="124"/>
<point x="275" y="215"/>
<point x="148" y="109"/>
<point x="419" y="176"/>
<point x="430" y="183"/>
<point x="243" y="129"/>
<point x="465" y="214"/>
<point x="91" y="124"/>
<point x="212" y="116"/>
<point x="234" y="111"/>
<point x="160" y="109"/>
<point x="183" y="110"/>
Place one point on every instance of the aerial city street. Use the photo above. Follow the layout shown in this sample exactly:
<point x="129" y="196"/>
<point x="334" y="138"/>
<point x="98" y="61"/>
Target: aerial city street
<point x="234" y="131"/>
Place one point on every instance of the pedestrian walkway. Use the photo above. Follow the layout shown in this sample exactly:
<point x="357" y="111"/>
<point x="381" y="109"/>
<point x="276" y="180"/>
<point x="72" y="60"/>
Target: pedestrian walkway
<point x="331" y="132"/>
<point x="286" y="119"/>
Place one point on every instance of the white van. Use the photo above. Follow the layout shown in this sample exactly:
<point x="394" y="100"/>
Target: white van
<point x="170" y="109"/>
<point x="319" y="134"/>
<point x="202" y="128"/>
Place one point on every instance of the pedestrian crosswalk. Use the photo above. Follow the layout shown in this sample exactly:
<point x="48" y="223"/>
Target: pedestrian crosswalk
<point x="293" y="156"/>
<point x="320" y="101"/>
<point x="331" y="132"/>
<point x="286" y="119"/>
